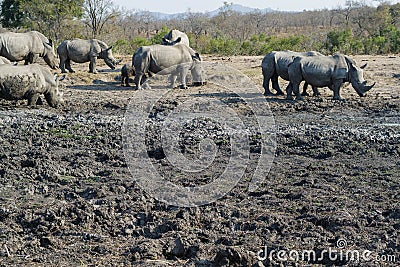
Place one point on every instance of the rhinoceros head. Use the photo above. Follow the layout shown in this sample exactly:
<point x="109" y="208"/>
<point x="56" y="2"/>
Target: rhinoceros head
<point x="108" y="57"/>
<point x="197" y="71"/>
<point x="49" y="56"/>
<point x="356" y="78"/>
<point x="166" y="41"/>
<point x="55" y="97"/>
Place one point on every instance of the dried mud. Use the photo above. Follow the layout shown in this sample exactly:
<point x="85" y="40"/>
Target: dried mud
<point x="68" y="198"/>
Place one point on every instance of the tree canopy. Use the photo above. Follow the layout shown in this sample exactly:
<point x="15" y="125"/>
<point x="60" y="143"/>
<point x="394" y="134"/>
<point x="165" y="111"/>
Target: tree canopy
<point x="355" y="28"/>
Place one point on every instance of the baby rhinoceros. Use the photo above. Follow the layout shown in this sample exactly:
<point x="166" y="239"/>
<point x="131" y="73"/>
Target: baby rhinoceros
<point x="127" y="71"/>
<point x="29" y="82"/>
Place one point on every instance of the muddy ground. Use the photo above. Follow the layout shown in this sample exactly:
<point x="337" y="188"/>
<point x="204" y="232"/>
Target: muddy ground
<point x="69" y="199"/>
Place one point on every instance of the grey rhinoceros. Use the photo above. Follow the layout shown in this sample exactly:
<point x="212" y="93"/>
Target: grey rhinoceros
<point x="275" y="64"/>
<point x="176" y="60"/>
<point x="126" y="71"/>
<point x="82" y="51"/>
<point x="175" y="37"/>
<point x="4" y="60"/>
<point x="29" y="82"/>
<point x="172" y="38"/>
<point x="27" y="46"/>
<point x="330" y="71"/>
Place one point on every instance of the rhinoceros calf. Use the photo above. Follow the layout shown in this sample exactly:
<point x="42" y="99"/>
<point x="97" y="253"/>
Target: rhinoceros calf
<point x="29" y="82"/>
<point x="126" y="71"/>
<point x="82" y="51"/>
<point x="275" y="64"/>
<point x="176" y="60"/>
<point x="330" y="71"/>
<point x="27" y="46"/>
<point x="175" y="37"/>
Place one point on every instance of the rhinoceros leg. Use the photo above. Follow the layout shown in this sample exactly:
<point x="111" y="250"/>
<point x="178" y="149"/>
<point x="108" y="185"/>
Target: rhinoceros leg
<point x="139" y="80"/>
<point x="62" y="63"/>
<point x="269" y="75"/>
<point x="315" y="91"/>
<point x="266" y="87"/>
<point x="124" y="80"/>
<point x="68" y="66"/>
<point x="144" y="83"/>
<point x="182" y="77"/>
<point x="65" y="62"/>
<point x="289" y="91"/>
<point x="293" y="87"/>
<point x="172" y="80"/>
<point x="92" y="65"/>
<point x="304" y="93"/>
<point x="33" y="99"/>
<point x="275" y="85"/>
<point x="336" y="90"/>
<point x="30" y="58"/>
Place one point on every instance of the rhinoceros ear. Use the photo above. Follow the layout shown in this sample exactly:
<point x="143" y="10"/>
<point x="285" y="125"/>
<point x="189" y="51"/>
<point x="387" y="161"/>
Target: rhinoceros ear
<point x="196" y="56"/>
<point x="363" y="66"/>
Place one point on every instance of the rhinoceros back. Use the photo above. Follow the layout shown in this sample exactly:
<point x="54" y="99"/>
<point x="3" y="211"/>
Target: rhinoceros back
<point x="14" y="46"/>
<point x="17" y="46"/>
<point x="16" y="82"/>
<point x="78" y="50"/>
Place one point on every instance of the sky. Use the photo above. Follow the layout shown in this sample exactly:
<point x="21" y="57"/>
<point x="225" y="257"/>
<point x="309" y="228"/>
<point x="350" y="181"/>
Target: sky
<point x="179" y="6"/>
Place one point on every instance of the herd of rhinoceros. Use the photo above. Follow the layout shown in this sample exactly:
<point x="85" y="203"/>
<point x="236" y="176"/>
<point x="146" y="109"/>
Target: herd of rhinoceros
<point x="173" y="56"/>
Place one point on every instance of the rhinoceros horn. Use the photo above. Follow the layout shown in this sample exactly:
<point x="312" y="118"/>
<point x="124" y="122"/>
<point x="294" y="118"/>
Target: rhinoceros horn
<point x="365" y="88"/>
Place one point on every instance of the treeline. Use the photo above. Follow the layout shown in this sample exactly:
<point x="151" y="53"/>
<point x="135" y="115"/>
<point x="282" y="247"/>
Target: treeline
<point x="356" y="28"/>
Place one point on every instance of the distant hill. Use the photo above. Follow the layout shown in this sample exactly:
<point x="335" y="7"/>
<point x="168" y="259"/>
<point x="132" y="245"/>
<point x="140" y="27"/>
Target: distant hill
<point x="241" y="9"/>
<point x="234" y="7"/>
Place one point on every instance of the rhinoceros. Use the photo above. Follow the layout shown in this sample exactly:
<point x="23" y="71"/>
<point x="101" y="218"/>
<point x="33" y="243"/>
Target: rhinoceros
<point x="82" y="51"/>
<point x="175" y="37"/>
<point x="330" y="71"/>
<point x="172" y="38"/>
<point x="27" y="46"/>
<point x="275" y="64"/>
<point x="4" y="60"/>
<point x="176" y="60"/>
<point x="126" y="71"/>
<point x="29" y="82"/>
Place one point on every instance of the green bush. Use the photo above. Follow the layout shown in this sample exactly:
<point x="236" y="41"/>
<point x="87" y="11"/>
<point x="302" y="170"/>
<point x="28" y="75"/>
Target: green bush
<point x="339" y="41"/>
<point x="122" y="46"/>
<point x="157" y="38"/>
<point x="343" y="41"/>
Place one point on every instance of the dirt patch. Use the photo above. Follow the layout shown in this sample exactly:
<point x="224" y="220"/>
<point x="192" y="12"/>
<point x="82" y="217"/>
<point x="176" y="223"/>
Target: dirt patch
<point x="68" y="198"/>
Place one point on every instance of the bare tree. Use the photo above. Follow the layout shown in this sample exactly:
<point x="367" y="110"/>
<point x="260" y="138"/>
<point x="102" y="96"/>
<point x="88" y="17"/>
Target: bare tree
<point x="97" y="13"/>
<point x="197" y="22"/>
<point x="146" y="21"/>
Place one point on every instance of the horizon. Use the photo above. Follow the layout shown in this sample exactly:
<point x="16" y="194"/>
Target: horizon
<point x="182" y="6"/>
